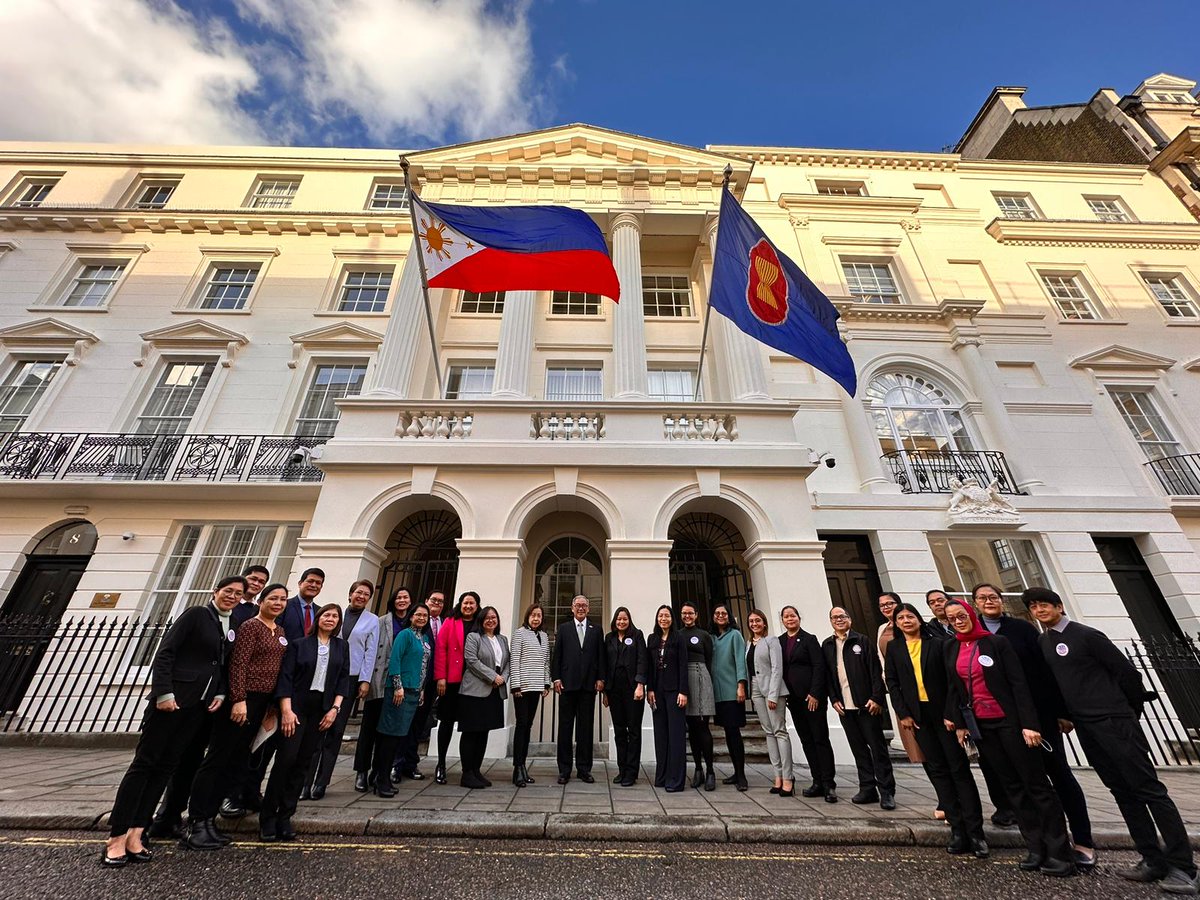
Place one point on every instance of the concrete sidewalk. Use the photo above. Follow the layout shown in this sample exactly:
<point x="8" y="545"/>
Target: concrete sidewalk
<point x="70" y="788"/>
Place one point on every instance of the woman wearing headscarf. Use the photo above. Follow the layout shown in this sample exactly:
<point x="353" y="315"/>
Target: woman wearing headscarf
<point x="624" y="692"/>
<point x="729" y="688"/>
<point x="666" y="692"/>
<point x="915" y="671"/>
<point x="989" y="701"/>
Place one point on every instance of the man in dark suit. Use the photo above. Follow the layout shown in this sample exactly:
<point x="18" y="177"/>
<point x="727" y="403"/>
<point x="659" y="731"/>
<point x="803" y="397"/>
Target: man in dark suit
<point x="805" y="676"/>
<point x="257" y="578"/>
<point x="576" y="667"/>
<point x="301" y="612"/>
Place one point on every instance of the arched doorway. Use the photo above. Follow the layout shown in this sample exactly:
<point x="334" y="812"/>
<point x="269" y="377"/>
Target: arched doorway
<point x="707" y="565"/>
<point x="422" y="555"/>
<point x="566" y="568"/>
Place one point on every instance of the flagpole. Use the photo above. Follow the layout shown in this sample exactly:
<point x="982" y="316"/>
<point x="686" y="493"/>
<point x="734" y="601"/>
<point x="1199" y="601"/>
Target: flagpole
<point x="708" y="307"/>
<point x="412" y="210"/>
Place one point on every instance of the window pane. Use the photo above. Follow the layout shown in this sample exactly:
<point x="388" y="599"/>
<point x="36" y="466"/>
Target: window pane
<point x="389" y="196"/>
<point x="154" y="195"/>
<point x="1146" y="424"/>
<point x="229" y="287"/>
<point x="175" y="398"/>
<point x="671" y="384"/>
<point x="574" y="303"/>
<point x="93" y="284"/>
<point x="1012" y="564"/>
<point x="1015" y="206"/>
<point x="366" y="291"/>
<point x="488" y="303"/>
<point x="35" y="192"/>
<point x="1169" y="291"/>
<point x="469" y="382"/>
<point x="871" y="282"/>
<point x="666" y="295"/>
<point x="21" y="390"/>
<point x="318" y="413"/>
<point x="1069" y="295"/>
<point x="274" y="194"/>
<point x="573" y="384"/>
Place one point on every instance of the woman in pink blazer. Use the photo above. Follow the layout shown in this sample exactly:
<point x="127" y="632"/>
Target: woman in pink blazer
<point x="448" y="670"/>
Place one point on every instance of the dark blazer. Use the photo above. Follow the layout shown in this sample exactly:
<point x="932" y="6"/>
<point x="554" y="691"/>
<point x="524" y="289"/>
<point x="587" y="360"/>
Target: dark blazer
<point x="618" y="654"/>
<point x="902" y="680"/>
<point x="578" y="668"/>
<point x="300" y="664"/>
<point x="1005" y="678"/>
<point x="864" y="672"/>
<point x="673" y="678"/>
<point x="293" y="618"/>
<point x="241" y="613"/>
<point x="1046" y="696"/>
<point x="191" y="661"/>
<point x="804" y="668"/>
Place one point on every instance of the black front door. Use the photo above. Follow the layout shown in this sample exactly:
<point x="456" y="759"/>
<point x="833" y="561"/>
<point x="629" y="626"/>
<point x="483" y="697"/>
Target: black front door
<point x="853" y="579"/>
<point x="45" y="586"/>
<point x="1138" y="590"/>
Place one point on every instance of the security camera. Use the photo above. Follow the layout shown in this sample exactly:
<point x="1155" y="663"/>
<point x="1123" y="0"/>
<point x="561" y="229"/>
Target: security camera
<point x="300" y="456"/>
<point x="128" y="536"/>
<point x="815" y="459"/>
<point x="830" y="462"/>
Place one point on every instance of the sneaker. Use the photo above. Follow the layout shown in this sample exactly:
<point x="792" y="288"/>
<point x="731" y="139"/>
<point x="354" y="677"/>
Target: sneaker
<point x="1179" y="882"/>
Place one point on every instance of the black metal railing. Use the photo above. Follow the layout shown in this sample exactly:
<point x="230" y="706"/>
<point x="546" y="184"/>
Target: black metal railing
<point x="930" y="471"/>
<point x="1179" y="475"/>
<point x="64" y="456"/>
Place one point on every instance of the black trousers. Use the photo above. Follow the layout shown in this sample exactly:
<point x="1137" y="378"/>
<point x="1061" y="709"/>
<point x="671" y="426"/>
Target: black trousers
<point x="165" y="737"/>
<point x="1118" y="750"/>
<point x="246" y="787"/>
<point x="175" y="801"/>
<point x="228" y="751"/>
<point x="1039" y="812"/>
<point x="949" y="772"/>
<point x="368" y="734"/>
<point x="995" y="787"/>
<point x="447" y="705"/>
<point x="1070" y="794"/>
<point x="293" y="758"/>
<point x="320" y="772"/>
<point x="471" y="747"/>
<point x="627" y="715"/>
<point x="813" y="730"/>
<point x="408" y="754"/>
<point x="386" y="748"/>
<point x="864" y="733"/>
<point x="575" y="712"/>
<point x="670" y="742"/>
<point x="525" y="707"/>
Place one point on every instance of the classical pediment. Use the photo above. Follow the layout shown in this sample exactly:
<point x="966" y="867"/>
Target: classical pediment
<point x="1164" y="81"/>
<point x="1117" y="357"/>
<point x="194" y="332"/>
<point x="1193" y="365"/>
<point x="45" y="331"/>
<point x="339" y="336"/>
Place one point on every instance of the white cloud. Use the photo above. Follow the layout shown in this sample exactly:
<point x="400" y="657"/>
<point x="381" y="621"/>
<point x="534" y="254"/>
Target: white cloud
<point x="406" y="68"/>
<point x="133" y="70"/>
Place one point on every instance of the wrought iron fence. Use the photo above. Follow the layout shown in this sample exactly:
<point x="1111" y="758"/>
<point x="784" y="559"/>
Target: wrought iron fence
<point x="930" y="471"/>
<point x="156" y="457"/>
<point x="1179" y="475"/>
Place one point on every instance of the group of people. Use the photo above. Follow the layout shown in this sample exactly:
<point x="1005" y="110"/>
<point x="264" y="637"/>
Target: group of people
<point x="256" y="674"/>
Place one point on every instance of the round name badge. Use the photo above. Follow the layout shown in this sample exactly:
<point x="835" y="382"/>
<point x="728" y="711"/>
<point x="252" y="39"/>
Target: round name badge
<point x="986" y="661"/>
<point x="695" y="640"/>
<point x="857" y="649"/>
<point x="629" y="642"/>
<point x="323" y="650"/>
<point x="282" y="641"/>
<point x="231" y="634"/>
<point x="1062" y="649"/>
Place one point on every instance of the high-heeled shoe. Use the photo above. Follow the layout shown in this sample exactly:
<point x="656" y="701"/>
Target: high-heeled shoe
<point x="439" y="774"/>
<point x="113" y="862"/>
<point x="525" y="774"/>
<point x="787" y="792"/>
<point x="142" y="856"/>
<point x="517" y="779"/>
<point x="776" y="789"/>
<point x="698" y="778"/>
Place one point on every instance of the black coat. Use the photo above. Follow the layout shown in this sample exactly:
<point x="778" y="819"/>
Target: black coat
<point x="864" y="672"/>
<point x="241" y="613"/>
<point x="578" y="668"/>
<point x="804" y="669"/>
<point x="630" y="657"/>
<point x="192" y="660"/>
<point x="1046" y="696"/>
<point x="673" y="677"/>
<point x="1005" y="678"/>
<point x="300" y="664"/>
<point x="902" y="680"/>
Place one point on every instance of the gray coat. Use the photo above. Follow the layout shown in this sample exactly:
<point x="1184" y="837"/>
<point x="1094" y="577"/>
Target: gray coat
<point x="480" y="666"/>
<point x="768" y="670"/>
<point x="382" y="658"/>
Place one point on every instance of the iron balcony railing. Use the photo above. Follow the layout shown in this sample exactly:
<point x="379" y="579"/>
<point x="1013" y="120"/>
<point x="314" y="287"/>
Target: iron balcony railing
<point x="1179" y="475"/>
<point x="930" y="471"/>
<point x="60" y="456"/>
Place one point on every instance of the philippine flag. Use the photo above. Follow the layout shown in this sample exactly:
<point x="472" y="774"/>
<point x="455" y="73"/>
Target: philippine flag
<point x="514" y="248"/>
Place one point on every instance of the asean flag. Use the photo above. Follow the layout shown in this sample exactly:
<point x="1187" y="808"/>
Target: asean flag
<point x="767" y="296"/>
<point x="514" y="248"/>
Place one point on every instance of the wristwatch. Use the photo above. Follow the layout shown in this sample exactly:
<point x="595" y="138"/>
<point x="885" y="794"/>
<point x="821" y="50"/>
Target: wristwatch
<point x="336" y="708"/>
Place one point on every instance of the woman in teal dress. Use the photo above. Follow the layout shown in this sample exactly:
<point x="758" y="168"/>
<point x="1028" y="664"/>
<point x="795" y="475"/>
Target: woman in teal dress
<point x="729" y="688"/>
<point x="412" y="652"/>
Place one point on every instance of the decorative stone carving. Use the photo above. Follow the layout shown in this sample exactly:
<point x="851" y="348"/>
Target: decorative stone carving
<point x="433" y="424"/>
<point x="974" y="504"/>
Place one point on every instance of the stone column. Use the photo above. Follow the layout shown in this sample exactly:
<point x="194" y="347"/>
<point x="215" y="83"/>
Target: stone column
<point x="516" y="346"/>
<point x="1001" y="424"/>
<point x="742" y="354"/>
<point x="865" y="446"/>
<point x="406" y="328"/>
<point x="629" y="319"/>
<point x="344" y="561"/>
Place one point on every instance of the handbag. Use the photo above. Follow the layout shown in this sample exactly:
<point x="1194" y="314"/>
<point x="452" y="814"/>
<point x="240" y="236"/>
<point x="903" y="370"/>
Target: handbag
<point x="968" y="711"/>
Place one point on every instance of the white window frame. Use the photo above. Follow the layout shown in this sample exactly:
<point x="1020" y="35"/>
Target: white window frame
<point x="1108" y="209"/>
<point x="831" y="187"/>
<point x="875" y="263"/>
<point x="349" y="272"/>
<point x="482" y="372"/>
<point x="145" y="183"/>
<point x="686" y="395"/>
<point x="1148" y="408"/>
<point x="688" y="311"/>
<point x="391" y="185"/>
<point x="203" y="400"/>
<point x="1180" y="96"/>
<point x="24" y="182"/>
<point x="309" y="383"/>
<point x="493" y="299"/>
<point x="1184" y="300"/>
<point x="79" y="257"/>
<point x="46" y="390"/>
<point x="581" y="371"/>
<point x="1081" y="283"/>
<point x="214" y="258"/>
<point x="1029" y="210"/>
<point x="958" y="544"/>
<point x="577" y="297"/>
<point x="264" y="194"/>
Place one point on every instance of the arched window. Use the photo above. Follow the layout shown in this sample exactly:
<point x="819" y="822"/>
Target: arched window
<point x="76" y="539"/>
<point x="568" y="567"/>
<point x="913" y="413"/>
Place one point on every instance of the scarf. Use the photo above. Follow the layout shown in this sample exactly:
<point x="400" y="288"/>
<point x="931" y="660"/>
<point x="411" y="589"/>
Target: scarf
<point x="977" y="630"/>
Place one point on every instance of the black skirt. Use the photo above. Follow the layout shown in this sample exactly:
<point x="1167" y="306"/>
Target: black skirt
<point x="731" y="714"/>
<point x="480" y="713"/>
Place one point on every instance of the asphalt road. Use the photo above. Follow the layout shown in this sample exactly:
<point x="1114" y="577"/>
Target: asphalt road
<point x="45" y="865"/>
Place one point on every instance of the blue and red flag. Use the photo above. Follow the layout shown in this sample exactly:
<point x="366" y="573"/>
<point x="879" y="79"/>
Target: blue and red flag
<point x="514" y="248"/>
<point x="768" y="297"/>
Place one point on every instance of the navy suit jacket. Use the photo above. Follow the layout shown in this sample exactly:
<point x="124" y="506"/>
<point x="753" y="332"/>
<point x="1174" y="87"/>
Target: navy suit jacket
<point x="300" y="664"/>
<point x="293" y="618"/>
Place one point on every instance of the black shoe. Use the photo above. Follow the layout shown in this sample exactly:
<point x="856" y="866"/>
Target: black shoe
<point x="231" y="810"/>
<point x="144" y="856"/>
<point x="268" y="833"/>
<point x="787" y="792"/>
<point x="831" y="795"/>
<point x="980" y="848"/>
<point x="864" y="797"/>
<point x="586" y="778"/>
<point x="253" y="802"/>
<point x="742" y="784"/>
<point x="413" y="775"/>
<point x="517" y="779"/>
<point x="887" y="800"/>
<point x="385" y="789"/>
<point x="285" y="830"/>
<point x="318" y="791"/>
<point x="472" y="780"/>
<point x="1177" y="881"/>
<point x="813" y="790"/>
<point x="775" y="790"/>
<point x="1143" y="873"/>
<point x="529" y="778"/>
<point x="710" y="781"/>
<point x="698" y="778"/>
<point x="306" y="793"/>
<point x="211" y="825"/>
<point x="439" y="774"/>
<point x="732" y="779"/>
<point x="563" y="779"/>
<point x="1058" y="868"/>
<point x="113" y="862"/>
<point x="161" y="830"/>
<point x="620" y="777"/>
<point x="627" y="781"/>
<point x="360" y="782"/>
<point x="197" y="837"/>
<point x="1032" y="862"/>
<point x="487" y="782"/>
<point x="1086" y="863"/>
<point x="1004" y="818"/>
<point x="958" y="845"/>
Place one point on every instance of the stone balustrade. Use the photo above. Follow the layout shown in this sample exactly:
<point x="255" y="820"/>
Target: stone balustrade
<point x="433" y="424"/>
<point x="706" y="426"/>
<point x="566" y="426"/>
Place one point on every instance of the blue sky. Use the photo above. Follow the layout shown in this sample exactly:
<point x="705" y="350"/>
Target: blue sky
<point x="418" y="73"/>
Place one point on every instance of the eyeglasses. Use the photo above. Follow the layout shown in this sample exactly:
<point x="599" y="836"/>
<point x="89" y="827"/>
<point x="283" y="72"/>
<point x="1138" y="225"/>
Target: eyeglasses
<point x="958" y="618"/>
<point x="988" y="597"/>
<point x="835" y="618"/>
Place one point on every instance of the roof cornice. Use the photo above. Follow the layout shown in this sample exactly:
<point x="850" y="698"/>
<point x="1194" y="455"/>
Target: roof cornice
<point x="1070" y="233"/>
